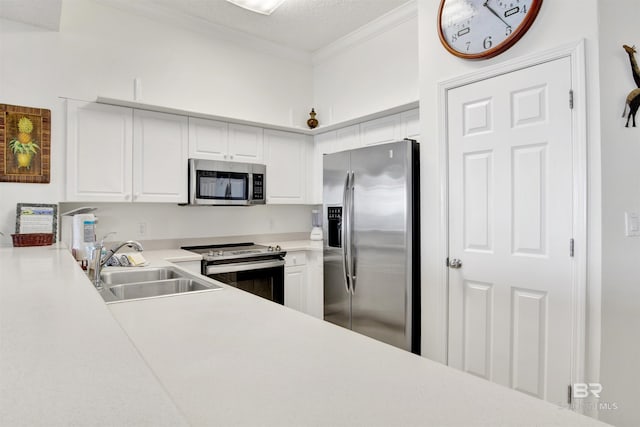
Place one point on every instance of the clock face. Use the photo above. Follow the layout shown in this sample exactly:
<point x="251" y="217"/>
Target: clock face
<point x="475" y="29"/>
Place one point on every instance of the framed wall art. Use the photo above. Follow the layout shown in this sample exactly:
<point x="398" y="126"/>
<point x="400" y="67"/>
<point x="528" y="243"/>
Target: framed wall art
<point x="25" y="144"/>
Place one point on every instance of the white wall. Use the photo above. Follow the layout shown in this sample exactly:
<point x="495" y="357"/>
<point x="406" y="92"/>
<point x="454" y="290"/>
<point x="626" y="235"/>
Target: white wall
<point x="100" y="50"/>
<point x="551" y="29"/>
<point x="620" y="373"/>
<point x="373" y="74"/>
<point x="168" y="221"/>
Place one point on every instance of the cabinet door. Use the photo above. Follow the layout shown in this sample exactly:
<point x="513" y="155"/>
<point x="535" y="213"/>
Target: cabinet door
<point x="99" y="152"/>
<point x="411" y="124"/>
<point x="347" y="138"/>
<point x="286" y="159"/>
<point x="208" y="139"/>
<point x="160" y="151"/>
<point x="245" y="144"/>
<point x="294" y="284"/>
<point x="324" y="143"/>
<point x="382" y="130"/>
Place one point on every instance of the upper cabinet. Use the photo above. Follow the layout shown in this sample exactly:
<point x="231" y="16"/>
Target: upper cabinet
<point x="117" y="154"/>
<point x="378" y="131"/>
<point x="99" y="152"/>
<point x="208" y="139"/>
<point x="286" y="157"/>
<point x="160" y="144"/>
<point x="382" y="130"/>
<point x="411" y="124"/>
<point x="215" y="140"/>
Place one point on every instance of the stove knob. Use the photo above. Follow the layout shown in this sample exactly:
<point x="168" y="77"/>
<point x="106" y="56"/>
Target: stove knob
<point x="220" y="253"/>
<point x="278" y="248"/>
<point x="210" y="253"/>
<point x="269" y="248"/>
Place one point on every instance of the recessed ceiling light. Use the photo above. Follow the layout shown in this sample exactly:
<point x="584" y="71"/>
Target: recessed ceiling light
<point x="265" y="7"/>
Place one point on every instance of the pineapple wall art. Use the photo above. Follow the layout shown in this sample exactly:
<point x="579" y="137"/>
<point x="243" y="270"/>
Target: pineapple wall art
<point x="25" y="144"/>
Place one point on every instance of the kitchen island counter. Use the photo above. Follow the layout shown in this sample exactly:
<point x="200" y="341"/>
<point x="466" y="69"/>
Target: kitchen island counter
<point x="223" y="357"/>
<point x="64" y="360"/>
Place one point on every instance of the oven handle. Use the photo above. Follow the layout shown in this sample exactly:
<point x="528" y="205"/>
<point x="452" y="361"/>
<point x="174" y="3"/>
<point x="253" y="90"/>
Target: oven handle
<point x="242" y="266"/>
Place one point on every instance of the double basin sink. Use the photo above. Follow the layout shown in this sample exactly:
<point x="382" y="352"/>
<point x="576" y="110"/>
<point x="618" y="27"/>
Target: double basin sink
<point x="137" y="283"/>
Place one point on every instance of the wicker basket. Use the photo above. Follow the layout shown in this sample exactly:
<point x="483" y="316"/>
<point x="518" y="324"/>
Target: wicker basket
<point x="32" y="239"/>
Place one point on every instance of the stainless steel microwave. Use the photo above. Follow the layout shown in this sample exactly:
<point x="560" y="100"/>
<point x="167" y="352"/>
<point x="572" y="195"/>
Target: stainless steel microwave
<point x="213" y="182"/>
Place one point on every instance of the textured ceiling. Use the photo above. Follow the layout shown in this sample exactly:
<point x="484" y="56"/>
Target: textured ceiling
<point x="306" y="25"/>
<point x="43" y="14"/>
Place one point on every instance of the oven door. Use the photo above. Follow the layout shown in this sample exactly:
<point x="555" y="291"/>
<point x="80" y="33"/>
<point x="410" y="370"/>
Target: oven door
<point x="264" y="278"/>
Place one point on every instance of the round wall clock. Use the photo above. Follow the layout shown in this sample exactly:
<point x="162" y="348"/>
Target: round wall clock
<point x="479" y="29"/>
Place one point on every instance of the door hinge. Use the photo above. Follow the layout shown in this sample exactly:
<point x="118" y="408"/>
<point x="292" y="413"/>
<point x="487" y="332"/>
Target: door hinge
<point x="571" y="99"/>
<point x="571" y="248"/>
<point x="570" y="394"/>
<point x="447" y="262"/>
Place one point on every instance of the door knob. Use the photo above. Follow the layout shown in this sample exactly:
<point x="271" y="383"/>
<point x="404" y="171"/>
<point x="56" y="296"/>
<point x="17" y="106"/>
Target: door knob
<point x="455" y="263"/>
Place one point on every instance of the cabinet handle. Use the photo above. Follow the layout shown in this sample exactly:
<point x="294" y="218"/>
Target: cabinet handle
<point x="127" y="196"/>
<point x="231" y="156"/>
<point x="225" y="156"/>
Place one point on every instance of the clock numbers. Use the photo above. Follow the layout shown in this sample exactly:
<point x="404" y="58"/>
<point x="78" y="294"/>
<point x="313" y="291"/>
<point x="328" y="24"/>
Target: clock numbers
<point x="487" y="43"/>
<point x="483" y="28"/>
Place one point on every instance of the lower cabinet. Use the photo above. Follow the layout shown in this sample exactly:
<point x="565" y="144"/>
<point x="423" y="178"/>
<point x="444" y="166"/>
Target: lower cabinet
<point x="295" y="280"/>
<point x="303" y="285"/>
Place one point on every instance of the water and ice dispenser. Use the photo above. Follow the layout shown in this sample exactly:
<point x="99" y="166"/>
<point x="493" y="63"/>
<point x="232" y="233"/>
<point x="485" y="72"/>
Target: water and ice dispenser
<point x="334" y="223"/>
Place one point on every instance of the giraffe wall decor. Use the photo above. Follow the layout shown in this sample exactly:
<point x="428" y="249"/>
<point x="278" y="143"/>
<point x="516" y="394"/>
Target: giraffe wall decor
<point x="633" y="99"/>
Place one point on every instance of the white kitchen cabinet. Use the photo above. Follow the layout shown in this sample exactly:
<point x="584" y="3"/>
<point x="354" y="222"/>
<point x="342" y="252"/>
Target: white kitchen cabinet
<point x="295" y="281"/>
<point x="325" y="143"/>
<point x="208" y="139"/>
<point x="382" y="130"/>
<point x="99" y="152"/>
<point x="303" y="282"/>
<point x="411" y="124"/>
<point x="215" y="140"/>
<point x="246" y="144"/>
<point x="160" y="150"/>
<point x="287" y="172"/>
<point x="118" y="154"/>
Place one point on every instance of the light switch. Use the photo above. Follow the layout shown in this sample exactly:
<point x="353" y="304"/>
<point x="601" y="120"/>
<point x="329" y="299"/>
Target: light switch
<point x="632" y="223"/>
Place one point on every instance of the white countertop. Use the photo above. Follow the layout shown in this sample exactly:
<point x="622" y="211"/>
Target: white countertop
<point x="223" y="357"/>
<point x="64" y="360"/>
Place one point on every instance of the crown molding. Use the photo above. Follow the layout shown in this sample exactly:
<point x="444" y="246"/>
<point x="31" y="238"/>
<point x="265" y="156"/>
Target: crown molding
<point x="218" y="32"/>
<point x="368" y="31"/>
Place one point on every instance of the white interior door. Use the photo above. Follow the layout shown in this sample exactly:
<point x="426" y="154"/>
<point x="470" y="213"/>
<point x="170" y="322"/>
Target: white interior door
<point x="510" y="228"/>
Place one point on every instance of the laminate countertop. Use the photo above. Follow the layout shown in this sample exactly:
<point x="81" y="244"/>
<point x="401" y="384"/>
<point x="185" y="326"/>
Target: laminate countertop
<point x="216" y="358"/>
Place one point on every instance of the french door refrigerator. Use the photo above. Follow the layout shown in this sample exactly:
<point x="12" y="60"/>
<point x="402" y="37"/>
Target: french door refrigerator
<point x="372" y="242"/>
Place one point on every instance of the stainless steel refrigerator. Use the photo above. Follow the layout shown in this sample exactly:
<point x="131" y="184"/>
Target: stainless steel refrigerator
<point x="372" y="242"/>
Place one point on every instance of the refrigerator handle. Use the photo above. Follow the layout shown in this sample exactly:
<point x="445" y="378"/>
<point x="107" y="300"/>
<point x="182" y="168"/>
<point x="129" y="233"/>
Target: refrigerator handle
<point x="352" y="252"/>
<point x="346" y="251"/>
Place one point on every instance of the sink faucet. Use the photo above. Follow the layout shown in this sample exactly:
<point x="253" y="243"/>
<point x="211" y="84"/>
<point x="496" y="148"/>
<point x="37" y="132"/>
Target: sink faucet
<point x="99" y="261"/>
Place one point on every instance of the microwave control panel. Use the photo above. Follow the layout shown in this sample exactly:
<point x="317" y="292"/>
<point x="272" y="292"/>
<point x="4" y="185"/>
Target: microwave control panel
<point x="258" y="186"/>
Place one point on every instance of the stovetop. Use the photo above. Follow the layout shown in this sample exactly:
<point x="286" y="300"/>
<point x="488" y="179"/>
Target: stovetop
<point x="235" y="251"/>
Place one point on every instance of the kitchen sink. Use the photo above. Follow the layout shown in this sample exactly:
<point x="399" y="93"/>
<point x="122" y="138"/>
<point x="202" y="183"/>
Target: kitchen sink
<point x="157" y="288"/>
<point x="136" y="274"/>
<point x="138" y="283"/>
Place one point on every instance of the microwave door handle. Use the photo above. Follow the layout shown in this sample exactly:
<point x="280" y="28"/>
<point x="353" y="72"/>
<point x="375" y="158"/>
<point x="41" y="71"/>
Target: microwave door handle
<point x="344" y="233"/>
<point x="227" y="191"/>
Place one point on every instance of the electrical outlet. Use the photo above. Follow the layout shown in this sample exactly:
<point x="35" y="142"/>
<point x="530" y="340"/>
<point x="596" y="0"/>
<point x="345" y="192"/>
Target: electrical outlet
<point x="142" y="229"/>
<point x="632" y="224"/>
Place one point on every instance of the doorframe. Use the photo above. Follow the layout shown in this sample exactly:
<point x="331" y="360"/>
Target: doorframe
<point x="576" y="53"/>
